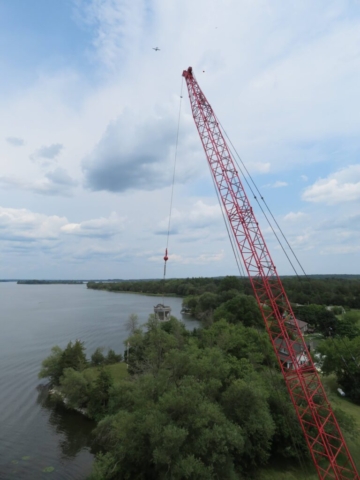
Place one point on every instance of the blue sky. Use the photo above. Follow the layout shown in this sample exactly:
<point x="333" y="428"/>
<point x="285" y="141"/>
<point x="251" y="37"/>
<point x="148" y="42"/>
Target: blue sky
<point x="40" y="36"/>
<point x="88" y="115"/>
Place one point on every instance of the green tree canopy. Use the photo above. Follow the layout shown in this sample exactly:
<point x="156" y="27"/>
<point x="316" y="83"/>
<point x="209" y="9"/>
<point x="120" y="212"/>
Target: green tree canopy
<point x="241" y="308"/>
<point x="113" y="357"/>
<point x="75" y="386"/>
<point x="74" y="356"/>
<point x="98" y="358"/>
<point x="198" y="406"/>
<point x="342" y="357"/>
<point x="51" y="367"/>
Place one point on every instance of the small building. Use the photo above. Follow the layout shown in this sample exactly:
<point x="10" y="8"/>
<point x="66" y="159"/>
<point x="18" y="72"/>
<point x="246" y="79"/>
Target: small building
<point x="292" y="322"/>
<point x="301" y="356"/>
<point x="162" y="312"/>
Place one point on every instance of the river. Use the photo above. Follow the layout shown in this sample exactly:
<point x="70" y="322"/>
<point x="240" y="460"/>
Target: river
<point x="34" y="435"/>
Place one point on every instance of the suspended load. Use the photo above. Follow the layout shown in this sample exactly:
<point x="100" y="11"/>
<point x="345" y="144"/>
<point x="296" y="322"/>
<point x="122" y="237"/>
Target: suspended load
<point x="162" y="312"/>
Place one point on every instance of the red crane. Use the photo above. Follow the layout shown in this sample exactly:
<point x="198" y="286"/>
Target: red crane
<point x="326" y="443"/>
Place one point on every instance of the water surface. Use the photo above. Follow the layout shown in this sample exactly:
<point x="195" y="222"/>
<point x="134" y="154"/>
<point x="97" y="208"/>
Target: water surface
<point x="33" y="434"/>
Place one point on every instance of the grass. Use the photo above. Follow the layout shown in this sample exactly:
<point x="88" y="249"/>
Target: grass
<point x="348" y="407"/>
<point x="288" y="471"/>
<point x="352" y="310"/>
<point x="358" y="312"/>
<point x="282" y="472"/>
<point x="118" y="371"/>
<point x="139" y="293"/>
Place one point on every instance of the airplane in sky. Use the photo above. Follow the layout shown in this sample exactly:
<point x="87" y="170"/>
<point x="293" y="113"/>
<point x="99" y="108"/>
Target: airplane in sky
<point x="156" y="49"/>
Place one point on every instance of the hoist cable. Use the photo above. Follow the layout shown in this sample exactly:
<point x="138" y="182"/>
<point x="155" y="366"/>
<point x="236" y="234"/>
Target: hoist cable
<point x="175" y="158"/>
<point x="173" y="184"/>
<point x="262" y="198"/>
<point x="229" y="230"/>
<point x="266" y="218"/>
<point x="262" y="210"/>
<point x="235" y="250"/>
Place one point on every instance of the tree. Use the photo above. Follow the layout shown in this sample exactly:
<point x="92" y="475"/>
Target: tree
<point x="98" y="358"/>
<point x="352" y="317"/>
<point x="346" y="327"/>
<point x="342" y="357"/>
<point x="112" y="357"/>
<point x="191" y="302"/>
<point x="239" y="342"/>
<point x="322" y="319"/>
<point x="245" y="402"/>
<point x="100" y="394"/>
<point x="208" y="301"/>
<point x="183" y="435"/>
<point x="337" y="310"/>
<point x="230" y="283"/>
<point x="241" y="308"/>
<point x="174" y="420"/>
<point x="132" y="323"/>
<point x="74" y="356"/>
<point x="75" y="386"/>
<point x="51" y="367"/>
<point x="198" y="405"/>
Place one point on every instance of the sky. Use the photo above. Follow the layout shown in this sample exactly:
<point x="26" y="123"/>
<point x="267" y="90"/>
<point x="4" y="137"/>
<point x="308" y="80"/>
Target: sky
<point x="89" y="117"/>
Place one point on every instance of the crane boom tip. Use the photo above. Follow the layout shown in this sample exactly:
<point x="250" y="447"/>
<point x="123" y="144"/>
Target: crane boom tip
<point x="188" y="73"/>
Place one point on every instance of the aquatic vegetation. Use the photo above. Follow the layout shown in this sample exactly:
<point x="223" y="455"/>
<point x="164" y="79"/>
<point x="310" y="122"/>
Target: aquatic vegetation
<point x="48" y="469"/>
<point x="26" y="457"/>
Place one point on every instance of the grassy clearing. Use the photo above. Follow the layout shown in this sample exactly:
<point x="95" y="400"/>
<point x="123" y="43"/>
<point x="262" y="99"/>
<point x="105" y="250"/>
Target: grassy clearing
<point x="118" y="371"/>
<point x="358" y="313"/>
<point x="139" y="293"/>
<point x="349" y="408"/>
<point x="353" y="310"/>
<point x="286" y="471"/>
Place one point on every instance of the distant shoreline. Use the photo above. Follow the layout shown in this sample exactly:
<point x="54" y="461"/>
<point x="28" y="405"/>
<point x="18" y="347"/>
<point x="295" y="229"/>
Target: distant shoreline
<point x="50" y="282"/>
<point x="137" y="293"/>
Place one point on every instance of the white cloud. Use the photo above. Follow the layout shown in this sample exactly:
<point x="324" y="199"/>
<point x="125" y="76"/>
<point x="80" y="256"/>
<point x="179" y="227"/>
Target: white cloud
<point x="341" y="186"/>
<point x="340" y="250"/>
<point x="211" y="257"/>
<point x="201" y="259"/>
<point x="277" y="184"/>
<point x="100" y="227"/>
<point x="47" y="152"/>
<point x="102" y="253"/>
<point x="259" y="167"/>
<point x="117" y="24"/>
<point x="294" y="216"/>
<point x="270" y="77"/>
<point x="24" y="225"/>
<point x="56" y="183"/>
<point x="137" y="152"/>
<point x="15" y="141"/>
<point x="198" y="216"/>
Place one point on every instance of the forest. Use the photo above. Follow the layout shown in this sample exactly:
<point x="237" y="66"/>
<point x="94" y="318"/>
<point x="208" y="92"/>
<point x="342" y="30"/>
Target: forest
<point x="316" y="289"/>
<point x="50" y="282"/>
<point x="209" y="403"/>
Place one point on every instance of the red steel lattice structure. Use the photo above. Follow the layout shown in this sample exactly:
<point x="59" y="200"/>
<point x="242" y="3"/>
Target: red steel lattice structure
<point x="326" y="443"/>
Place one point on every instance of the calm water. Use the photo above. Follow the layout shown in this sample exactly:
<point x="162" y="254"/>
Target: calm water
<point x="33" y="434"/>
